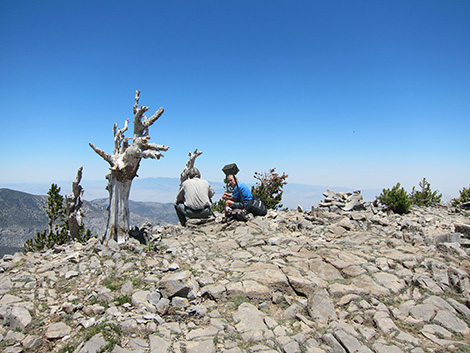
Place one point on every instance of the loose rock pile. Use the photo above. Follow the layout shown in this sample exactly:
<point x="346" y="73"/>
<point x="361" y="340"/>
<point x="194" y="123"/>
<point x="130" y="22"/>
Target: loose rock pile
<point x="342" y="277"/>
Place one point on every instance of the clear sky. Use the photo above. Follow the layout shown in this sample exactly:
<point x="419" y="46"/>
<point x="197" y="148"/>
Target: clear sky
<point x="359" y="94"/>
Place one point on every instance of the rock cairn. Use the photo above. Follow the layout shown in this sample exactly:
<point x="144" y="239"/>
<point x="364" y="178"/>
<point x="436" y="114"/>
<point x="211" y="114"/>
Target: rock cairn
<point x="342" y="277"/>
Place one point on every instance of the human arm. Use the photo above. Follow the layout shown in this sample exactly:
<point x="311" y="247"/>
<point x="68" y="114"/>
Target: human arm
<point x="229" y="197"/>
<point x="180" y="195"/>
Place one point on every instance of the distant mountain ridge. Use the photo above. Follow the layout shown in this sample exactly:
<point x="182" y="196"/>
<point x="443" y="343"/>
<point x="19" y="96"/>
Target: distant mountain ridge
<point x="22" y="215"/>
<point x="13" y="204"/>
<point x="163" y="190"/>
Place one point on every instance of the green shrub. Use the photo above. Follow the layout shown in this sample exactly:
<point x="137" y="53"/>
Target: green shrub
<point x="463" y="199"/>
<point x="55" y="209"/>
<point x="425" y="197"/>
<point x="58" y="228"/>
<point x="45" y="240"/>
<point x="269" y="188"/>
<point x="396" y="199"/>
<point x="57" y="231"/>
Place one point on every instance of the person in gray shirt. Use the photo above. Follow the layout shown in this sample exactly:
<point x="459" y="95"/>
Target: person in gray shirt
<point x="194" y="198"/>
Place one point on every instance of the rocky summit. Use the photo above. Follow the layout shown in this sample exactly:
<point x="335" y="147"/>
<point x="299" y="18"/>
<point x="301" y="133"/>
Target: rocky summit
<point x="342" y="277"/>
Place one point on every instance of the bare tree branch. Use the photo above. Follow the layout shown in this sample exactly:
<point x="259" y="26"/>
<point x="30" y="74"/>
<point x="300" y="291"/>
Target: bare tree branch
<point x="119" y="136"/>
<point x="107" y="157"/>
<point x="138" y="126"/>
<point x="136" y="101"/>
<point x="153" y="146"/>
<point x="77" y="190"/>
<point x="149" y="121"/>
<point x="189" y="164"/>
<point x="151" y="154"/>
<point x="74" y="204"/>
<point x="125" y="145"/>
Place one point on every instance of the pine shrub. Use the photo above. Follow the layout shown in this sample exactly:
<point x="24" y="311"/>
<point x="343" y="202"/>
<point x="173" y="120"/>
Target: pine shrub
<point x="425" y="197"/>
<point x="58" y="229"/>
<point x="463" y="199"/>
<point x="396" y="199"/>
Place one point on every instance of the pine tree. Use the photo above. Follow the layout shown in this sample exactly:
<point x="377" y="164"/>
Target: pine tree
<point x="396" y="199"/>
<point x="55" y="209"/>
<point x="425" y="197"/>
<point x="57" y="232"/>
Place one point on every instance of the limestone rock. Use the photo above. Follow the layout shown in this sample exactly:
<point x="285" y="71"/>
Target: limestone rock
<point x="57" y="330"/>
<point x="182" y="284"/>
<point x="320" y="307"/>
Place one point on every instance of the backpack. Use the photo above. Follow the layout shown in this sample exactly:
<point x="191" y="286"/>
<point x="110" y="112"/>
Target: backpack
<point x="256" y="206"/>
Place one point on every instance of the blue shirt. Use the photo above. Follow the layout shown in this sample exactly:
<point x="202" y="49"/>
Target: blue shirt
<point x="246" y="193"/>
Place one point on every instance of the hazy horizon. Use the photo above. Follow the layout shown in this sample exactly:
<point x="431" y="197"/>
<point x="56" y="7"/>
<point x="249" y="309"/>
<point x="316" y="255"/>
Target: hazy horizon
<point x="163" y="190"/>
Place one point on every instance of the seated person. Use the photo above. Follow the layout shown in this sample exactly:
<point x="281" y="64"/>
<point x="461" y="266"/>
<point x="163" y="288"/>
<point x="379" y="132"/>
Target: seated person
<point x="240" y="197"/>
<point x="194" y="198"/>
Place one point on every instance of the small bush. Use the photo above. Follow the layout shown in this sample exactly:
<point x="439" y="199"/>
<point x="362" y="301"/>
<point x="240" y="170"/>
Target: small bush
<point x="463" y="199"/>
<point x="425" y="197"/>
<point x="45" y="240"/>
<point x="396" y="199"/>
<point x="58" y="227"/>
<point x="57" y="231"/>
<point x="269" y="188"/>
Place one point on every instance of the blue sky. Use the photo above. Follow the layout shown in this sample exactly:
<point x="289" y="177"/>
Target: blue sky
<point x="358" y="94"/>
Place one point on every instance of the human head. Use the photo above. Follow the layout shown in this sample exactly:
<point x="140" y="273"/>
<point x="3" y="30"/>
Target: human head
<point x="232" y="179"/>
<point x="194" y="173"/>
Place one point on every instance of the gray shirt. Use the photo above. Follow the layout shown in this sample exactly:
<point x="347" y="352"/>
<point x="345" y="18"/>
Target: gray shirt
<point x="195" y="193"/>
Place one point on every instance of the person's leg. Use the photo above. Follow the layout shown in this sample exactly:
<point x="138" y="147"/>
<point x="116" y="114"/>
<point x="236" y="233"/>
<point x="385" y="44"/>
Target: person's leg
<point x="228" y="206"/>
<point x="238" y="204"/>
<point x="204" y="213"/>
<point x="180" y="212"/>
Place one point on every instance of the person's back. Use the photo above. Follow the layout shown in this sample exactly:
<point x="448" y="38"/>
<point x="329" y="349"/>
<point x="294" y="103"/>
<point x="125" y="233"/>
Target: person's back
<point x="194" y="198"/>
<point x="197" y="193"/>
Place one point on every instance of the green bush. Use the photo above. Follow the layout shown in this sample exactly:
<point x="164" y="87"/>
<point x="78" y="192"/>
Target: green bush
<point x="396" y="199"/>
<point x="58" y="232"/>
<point x="269" y="188"/>
<point x="463" y="199"/>
<point x="425" y="197"/>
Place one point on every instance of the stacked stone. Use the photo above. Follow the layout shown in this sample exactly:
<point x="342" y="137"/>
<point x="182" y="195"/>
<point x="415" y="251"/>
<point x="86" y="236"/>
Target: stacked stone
<point x="336" y="278"/>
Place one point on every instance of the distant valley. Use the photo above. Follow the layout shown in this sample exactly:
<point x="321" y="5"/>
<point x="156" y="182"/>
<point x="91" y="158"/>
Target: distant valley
<point x="22" y="215"/>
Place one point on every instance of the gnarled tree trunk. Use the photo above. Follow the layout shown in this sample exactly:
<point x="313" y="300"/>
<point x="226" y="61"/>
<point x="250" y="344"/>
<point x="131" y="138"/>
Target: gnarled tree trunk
<point x="124" y="163"/>
<point x="74" y="204"/>
<point x="119" y="214"/>
<point x="189" y="164"/>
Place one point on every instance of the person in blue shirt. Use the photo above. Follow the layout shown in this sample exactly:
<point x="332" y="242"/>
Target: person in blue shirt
<point x="236" y="200"/>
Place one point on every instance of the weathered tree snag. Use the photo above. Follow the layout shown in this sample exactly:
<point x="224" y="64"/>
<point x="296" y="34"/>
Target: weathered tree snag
<point x="74" y="204"/>
<point x="124" y="164"/>
<point x="189" y="164"/>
